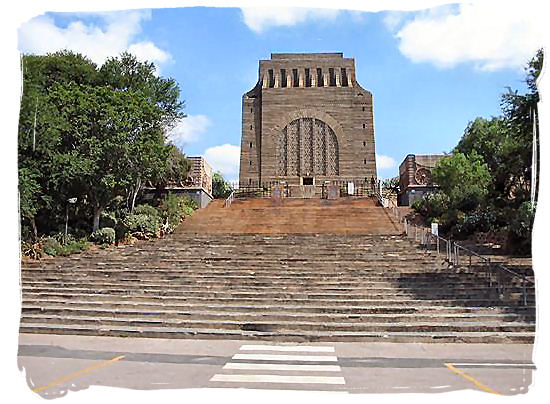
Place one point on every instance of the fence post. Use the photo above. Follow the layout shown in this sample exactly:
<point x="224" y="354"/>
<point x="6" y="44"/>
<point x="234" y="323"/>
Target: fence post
<point x="523" y="290"/>
<point x="489" y="272"/>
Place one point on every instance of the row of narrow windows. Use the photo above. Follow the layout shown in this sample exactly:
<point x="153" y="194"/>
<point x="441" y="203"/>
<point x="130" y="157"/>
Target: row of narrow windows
<point x="307" y="78"/>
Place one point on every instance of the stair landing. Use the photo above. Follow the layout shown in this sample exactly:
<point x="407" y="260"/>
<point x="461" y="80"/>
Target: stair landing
<point x="293" y="216"/>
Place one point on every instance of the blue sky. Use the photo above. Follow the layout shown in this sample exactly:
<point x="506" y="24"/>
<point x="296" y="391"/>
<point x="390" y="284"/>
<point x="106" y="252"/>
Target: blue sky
<point x="430" y="71"/>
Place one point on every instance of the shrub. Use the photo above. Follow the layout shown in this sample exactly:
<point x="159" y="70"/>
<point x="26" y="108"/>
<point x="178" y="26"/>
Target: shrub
<point x="188" y="210"/>
<point x="108" y="219"/>
<point x="432" y="206"/>
<point x="105" y="235"/>
<point x="50" y="245"/>
<point x="190" y="202"/>
<point x="63" y="238"/>
<point x="147" y="225"/>
<point x="146" y="210"/>
<point x="174" y="209"/>
<point x="31" y="250"/>
<point x="477" y="221"/>
<point x="74" y="247"/>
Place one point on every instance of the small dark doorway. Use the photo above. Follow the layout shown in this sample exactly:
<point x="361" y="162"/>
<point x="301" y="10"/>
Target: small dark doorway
<point x="307" y="180"/>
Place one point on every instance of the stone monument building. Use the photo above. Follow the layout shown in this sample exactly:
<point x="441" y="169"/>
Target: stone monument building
<point x="307" y="121"/>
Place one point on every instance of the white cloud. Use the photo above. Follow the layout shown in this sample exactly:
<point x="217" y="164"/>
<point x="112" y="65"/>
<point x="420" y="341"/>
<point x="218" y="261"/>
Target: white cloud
<point x="491" y="35"/>
<point x="147" y="51"/>
<point x="258" y="19"/>
<point x="188" y="130"/>
<point x="114" y="35"/>
<point x="384" y="162"/>
<point x="225" y="159"/>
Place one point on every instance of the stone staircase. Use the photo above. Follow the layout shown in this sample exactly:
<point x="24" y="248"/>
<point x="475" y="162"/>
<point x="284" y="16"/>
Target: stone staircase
<point x="298" y="286"/>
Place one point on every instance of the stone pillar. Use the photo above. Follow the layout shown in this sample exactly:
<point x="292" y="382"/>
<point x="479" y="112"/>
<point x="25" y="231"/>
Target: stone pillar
<point x="301" y="78"/>
<point x="277" y="79"/>
<point x="289" y="82"/>
<point x="313" y="77"/>
<point x="265" y="80"/>
<point x="338" y="82"/>
<point x="325" y="79"/>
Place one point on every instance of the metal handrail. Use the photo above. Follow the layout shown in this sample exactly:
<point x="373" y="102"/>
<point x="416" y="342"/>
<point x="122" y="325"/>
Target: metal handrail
<point x="453" y="251"/>
<point x="229" y="200"/>
<point x="453" y="257"/>
<point x="394" y="209"/>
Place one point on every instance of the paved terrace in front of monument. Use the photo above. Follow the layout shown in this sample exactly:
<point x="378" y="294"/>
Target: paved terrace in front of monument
<point x="340" y="272"/>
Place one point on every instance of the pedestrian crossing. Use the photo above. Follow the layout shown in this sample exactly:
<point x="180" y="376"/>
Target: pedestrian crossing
<point x="291" y="366"/>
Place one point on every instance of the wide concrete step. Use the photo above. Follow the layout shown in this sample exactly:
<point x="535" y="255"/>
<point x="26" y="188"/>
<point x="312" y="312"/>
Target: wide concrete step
<point x="287" y="293"/>
<point x="164" y="313"/>
<point x="282" y="335"/>
<point x="329" y="282"/>
<point x="272" y="324"/>
<point x="397" y="308"/>
<point x="158" y="282"/>
<point x="261" y="290"/>
<point x="333" y="260"/>
<point x="255" y="299"/>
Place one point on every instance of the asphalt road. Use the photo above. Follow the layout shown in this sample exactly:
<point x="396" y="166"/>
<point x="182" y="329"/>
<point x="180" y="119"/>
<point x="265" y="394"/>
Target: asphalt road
<point x="56" y="365"/>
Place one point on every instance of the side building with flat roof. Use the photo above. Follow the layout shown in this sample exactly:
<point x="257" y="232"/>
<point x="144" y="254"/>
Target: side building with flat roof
<point x="415" y="177"/>
<point x="197" y="186"/>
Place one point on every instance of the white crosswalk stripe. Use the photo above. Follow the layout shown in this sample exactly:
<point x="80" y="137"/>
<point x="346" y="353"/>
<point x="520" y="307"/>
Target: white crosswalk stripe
<point x="268" y="357"/>
<point x="288" y="348"/>
<point x="305" y="366"/>
<point x="273" y="366"/>
<point x="278" y="379"/>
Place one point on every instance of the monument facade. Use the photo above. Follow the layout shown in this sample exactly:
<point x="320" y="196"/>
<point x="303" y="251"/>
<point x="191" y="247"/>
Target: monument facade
<point x="307" y="121"/>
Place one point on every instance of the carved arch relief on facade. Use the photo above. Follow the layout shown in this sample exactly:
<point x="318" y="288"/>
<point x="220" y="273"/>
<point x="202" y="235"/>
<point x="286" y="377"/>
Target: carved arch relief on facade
<point x="306" y="147"/>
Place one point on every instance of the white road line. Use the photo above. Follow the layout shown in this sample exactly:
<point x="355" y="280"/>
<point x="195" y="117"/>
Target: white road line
<point x="274" y="366"/>
<point x="266" y="357"/>
<point x="278" y="379"/>
<point x="287" y="348"/>
<point x="529" y="365"/>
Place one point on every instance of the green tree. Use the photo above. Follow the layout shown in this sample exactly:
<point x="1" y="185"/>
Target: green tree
<point x="38" y="139"/>
<point x="126" y="73"/>
<point x="91" y="134"/>
<point x="506" y="142"/>
<point x="464" y="179"/>
<point x="220" y="187"/>
<point x="391" y="184"/>
<point x="176" y="170"/>
<point x="111" y="137"/>
<point x="520" y="111"/>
